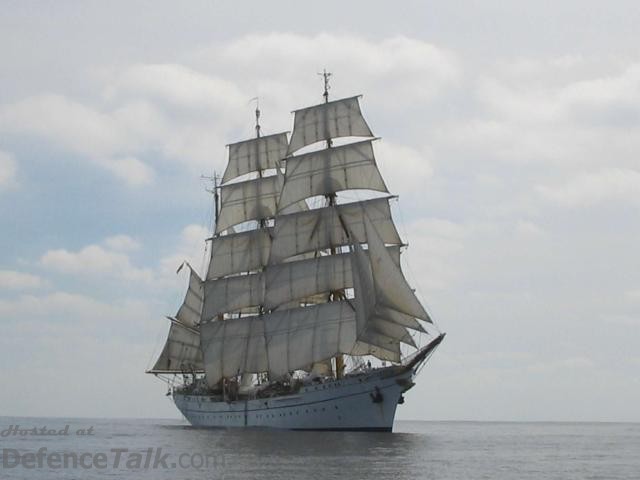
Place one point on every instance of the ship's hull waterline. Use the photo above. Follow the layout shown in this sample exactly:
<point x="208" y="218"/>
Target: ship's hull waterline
<point x="364" y="402"/>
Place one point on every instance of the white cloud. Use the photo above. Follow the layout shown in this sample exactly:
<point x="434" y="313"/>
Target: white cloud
<point x="179" y="86"/>
<point x="111" y="259"/>
<point x="189" y="114"/>
<point x="131" y="170"/>
<point x="567" y="114"/>
<point x="633" y="295"/>
<point x="190" y="249"/>
<point x="612" y="100"/>
<point x="13" y="280"/>
<point x="7" y="169"/>
<point x="431" y="258"/>
<point x="122" y="243"/>
<point x="95" y="135"/>
<point x="68" y="123"/>
<point x="412" y="69"/>
<point x="528" y="229"/>
<point x="612" y="184"/>
<point x="95" y="260"/>
<point x="570" y="363"/>
<point x="625" y="320"/>
<point x="56" y="302"/>
<point x="405" y="170"/>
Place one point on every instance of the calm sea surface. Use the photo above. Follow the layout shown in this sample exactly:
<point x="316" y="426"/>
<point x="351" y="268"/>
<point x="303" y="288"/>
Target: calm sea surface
<point x="167" y="449"/>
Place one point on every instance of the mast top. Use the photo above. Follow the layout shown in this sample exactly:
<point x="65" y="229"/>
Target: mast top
<point x="325" y="76"/>
<point x="257" y="100"/>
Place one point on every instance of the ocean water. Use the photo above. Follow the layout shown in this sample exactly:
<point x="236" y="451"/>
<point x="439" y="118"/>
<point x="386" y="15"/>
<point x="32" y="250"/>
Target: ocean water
<point x="169" y="449"/>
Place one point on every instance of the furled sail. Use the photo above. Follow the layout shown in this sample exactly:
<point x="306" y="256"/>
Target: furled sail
<point x="347" y="167"/>
<point x="277" y="342"/>
<point x="339" y="118"/>
<point x="254" y="199"/>
<point x="262" y="153"/>
<point x="321" y="228"/>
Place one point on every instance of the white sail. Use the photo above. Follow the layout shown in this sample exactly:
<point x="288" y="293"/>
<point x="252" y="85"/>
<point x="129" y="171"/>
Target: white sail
<point x="296" y="338"/>
<point x="250" y="200"/>
<point x="339" y="118"/>
<point x="232" y="347"/>
<point x="306" y="285"/>
<point x="182" y="348"/>
<point x="191" y="308"/>
<point x="239" y="252"/>
<point x="231" y="294"/>
<point x="392" y="330"/>
<point x="347" y="167"/>
<point x="390" y="353"/>
<point x="181" y="352"/>
<point x="363" y="287"/>
<point x="302" y="279"/>
<point x="297" y="280"/>
<point x="278" y="342"/>
<point x="391" y="288"/>
<point x="384" y="302"/>
<point x="261" y="153"/>
<point x="280" y="285"/>
<point x="321" y="228"/>
<point x="402" y="318"/>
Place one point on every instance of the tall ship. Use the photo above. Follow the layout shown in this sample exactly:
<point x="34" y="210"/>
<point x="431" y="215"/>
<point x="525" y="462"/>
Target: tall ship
<point x="304" y="319"/>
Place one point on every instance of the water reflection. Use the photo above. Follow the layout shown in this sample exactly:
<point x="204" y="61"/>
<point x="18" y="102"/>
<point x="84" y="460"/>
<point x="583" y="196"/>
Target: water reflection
<point x="288" y="454"/>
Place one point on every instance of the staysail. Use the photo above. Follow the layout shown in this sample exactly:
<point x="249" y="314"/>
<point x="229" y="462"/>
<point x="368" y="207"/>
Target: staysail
<point x="181" y="352"/>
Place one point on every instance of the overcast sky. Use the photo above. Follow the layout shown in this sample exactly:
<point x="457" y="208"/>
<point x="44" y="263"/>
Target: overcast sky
<point x="510" y="131"/>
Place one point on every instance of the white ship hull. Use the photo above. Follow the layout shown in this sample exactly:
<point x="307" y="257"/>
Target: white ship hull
<point x="365" y="401"/>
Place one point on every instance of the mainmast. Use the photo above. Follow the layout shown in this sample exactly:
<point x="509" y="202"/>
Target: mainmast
<point x="331" y="199"/>
<point x="257" y="99"/>
<point x="325" y="77"/>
